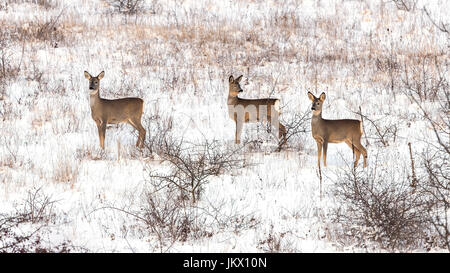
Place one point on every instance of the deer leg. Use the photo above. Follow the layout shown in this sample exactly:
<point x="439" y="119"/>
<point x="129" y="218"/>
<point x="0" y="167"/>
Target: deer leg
<point x="282" y="133"/>
<point x="138" y="126"/>
<point x="325" y="147"/>
<point x="135" y="127"/>
<point x="357" y="156"/>
<point x="275" y="122"/>
<point x="101" y="126"/>
<point x="319" y="152"/>
<point x="362" y="150"/>
<point x="142" y="133"/>
<point x="355" y="151"/>
<point x="237" y="137"/>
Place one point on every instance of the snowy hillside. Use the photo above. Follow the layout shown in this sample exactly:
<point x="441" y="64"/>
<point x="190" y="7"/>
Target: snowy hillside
<point x="384" y="61"/>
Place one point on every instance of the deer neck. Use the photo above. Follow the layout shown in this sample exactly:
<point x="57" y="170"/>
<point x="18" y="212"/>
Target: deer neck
<point x="94" y="98"/>
<point x="316" y="118"/>
<point x="232" y="100"/>
<point x="316" y="121"/>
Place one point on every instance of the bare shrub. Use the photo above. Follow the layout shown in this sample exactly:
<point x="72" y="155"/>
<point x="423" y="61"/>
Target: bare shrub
<point x="38" y="207"/>
<point x="275" y="242"/>
<point x="47" y="4"/>
<point x="406" y="5"/>
<point x="434" y="185"/>
<point x="192" y="165"/>
<point x="389" y="65"/>
<point x="38" y="211"/>
<point x="9" y="155"/>
<point x="12" y="240"/>
<point x="168" y="217"/>
<point x="170" y="204"/>
<point x="425" y="78"/>
<point x="297" y="125"/>
<point x="437" y="90"/>
<point x="48" y="30"/>
<point x="128" y="6"/>
<point x="9" y="110"/>
<point x="8" y="70"/>
<point x="442" y="26"/>
<point x="381" y="130"/>
<point x="165" y="216"/>
<point x="161" y="128"/>
<point x="434" y="174"/>
<point x="379" y="207"/>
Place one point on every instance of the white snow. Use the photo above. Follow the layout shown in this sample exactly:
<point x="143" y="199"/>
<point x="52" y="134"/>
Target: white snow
<point x="178" y="59"/>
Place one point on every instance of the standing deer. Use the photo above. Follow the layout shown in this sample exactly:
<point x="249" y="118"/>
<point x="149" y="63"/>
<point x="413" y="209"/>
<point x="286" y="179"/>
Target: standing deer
<point x="326" y="131"/>
<point x="105" y="111"/>
<point x="252" y="110"/>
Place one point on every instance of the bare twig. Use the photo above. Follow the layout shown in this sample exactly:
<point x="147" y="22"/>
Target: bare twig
<point x="444" y="27"/>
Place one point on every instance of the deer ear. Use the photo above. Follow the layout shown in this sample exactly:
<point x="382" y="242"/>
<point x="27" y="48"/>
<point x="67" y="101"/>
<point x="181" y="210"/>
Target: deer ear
<point x="231" y="79"/>
<point x="322" y="96"/>
<point x="238" y="79"/>
<point x="311" y="96"/>
<point x="87" y="75"/>
<point x="101" y="75"/>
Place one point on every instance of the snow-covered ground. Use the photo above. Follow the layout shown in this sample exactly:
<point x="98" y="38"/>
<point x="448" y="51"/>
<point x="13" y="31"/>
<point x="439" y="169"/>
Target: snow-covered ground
<point x="177" y="56"/>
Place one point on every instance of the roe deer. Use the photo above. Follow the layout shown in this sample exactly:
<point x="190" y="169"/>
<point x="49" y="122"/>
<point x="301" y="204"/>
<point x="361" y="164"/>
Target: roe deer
<point x="326" y="131"/>
<point x="252" y="110"/>
<point x="105" y="111"/>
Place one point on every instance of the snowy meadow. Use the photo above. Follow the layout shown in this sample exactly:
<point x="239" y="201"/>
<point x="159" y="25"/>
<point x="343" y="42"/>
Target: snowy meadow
<point x="191" y="188"/>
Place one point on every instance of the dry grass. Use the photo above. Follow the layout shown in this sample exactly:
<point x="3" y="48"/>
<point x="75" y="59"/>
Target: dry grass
<point x="284" y="50"/>
<point x="65" y="170"/>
